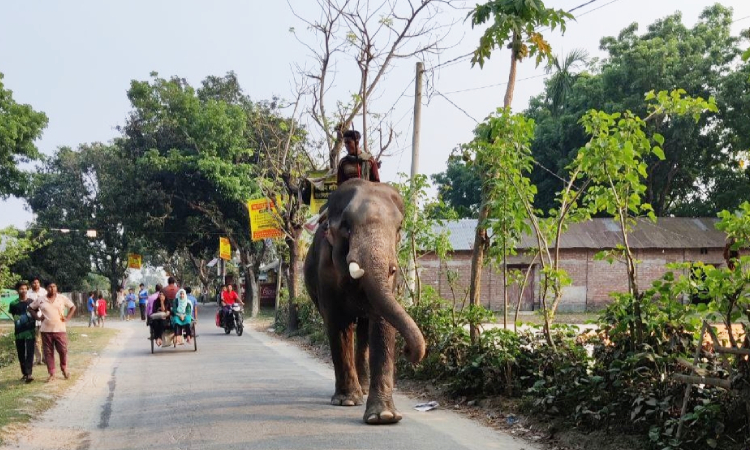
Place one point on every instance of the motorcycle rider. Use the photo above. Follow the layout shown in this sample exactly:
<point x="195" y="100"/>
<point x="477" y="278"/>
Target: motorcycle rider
<point x="228" y="298"/>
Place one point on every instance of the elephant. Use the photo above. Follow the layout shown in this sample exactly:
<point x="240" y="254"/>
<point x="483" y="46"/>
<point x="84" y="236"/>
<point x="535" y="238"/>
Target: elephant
<point x="350" y="273"/>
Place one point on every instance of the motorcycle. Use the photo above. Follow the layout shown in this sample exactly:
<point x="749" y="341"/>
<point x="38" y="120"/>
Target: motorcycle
<point x="233" y="319"/>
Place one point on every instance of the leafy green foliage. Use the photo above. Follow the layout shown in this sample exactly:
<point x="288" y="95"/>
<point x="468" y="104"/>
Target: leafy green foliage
<point x="84" y="189"/>
<point x="516" y="22"/>
<point x="700" y="167"/>
<point x="20" y="126"/>
<point x="15" y="247"/>
<point x="460" y="186"/>
<point x="418" y="228"/>
<point x="502" y="154"/>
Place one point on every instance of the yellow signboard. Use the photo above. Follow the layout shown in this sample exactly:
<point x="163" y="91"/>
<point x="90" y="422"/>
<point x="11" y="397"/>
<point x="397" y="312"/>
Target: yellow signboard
<point x="321" y="189"/>
<point x="134" y="261"/>
<point x="225" y="248"/>
<point x="263" y="219"/>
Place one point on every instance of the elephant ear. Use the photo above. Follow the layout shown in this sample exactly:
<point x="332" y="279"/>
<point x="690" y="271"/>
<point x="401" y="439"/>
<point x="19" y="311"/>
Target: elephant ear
<point x="398" y="201"/>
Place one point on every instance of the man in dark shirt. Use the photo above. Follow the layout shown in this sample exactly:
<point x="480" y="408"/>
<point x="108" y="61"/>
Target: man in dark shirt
<point x="356" y="164"/>
<point x="24" y="331"/>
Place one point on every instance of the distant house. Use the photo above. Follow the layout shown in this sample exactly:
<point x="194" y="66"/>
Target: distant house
<point x="669" y="240"/>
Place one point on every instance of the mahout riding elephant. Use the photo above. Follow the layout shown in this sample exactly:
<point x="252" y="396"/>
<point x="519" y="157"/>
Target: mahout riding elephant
<point x="350" y="273"/>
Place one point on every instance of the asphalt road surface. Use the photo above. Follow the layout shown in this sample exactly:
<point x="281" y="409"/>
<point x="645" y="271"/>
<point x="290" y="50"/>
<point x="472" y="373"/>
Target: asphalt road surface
<point x="248" y="392"/>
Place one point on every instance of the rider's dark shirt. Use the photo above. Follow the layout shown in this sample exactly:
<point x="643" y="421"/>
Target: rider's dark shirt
<point x="352" y="166"/>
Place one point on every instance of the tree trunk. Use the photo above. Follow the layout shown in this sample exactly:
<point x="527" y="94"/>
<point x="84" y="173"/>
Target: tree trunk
<point x="251" y="294"/>
<point x="477" y="263"/>
<point x="293" y="244"/>
<point x="480" y="236"/>
<point x="512" y="77"/>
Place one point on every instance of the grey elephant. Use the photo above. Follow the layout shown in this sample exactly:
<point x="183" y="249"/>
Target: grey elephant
<point x="350" y="273"/>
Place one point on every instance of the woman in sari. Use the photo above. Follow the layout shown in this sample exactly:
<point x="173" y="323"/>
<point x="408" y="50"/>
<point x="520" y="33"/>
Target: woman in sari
<point x="160" y="317"/>
<point x="182" y="316"/>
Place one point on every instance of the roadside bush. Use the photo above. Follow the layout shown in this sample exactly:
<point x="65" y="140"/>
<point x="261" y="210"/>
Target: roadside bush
<point x="8" y="354"/>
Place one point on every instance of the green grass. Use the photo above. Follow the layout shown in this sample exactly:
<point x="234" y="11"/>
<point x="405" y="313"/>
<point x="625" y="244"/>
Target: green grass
<point x="19" y="402"/>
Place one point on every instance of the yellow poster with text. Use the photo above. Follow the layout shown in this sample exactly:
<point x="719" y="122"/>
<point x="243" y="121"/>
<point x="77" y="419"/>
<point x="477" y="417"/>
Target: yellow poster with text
<point x="263" y="220"/>
<point x="225" y="248"/>
<point x="134" y="261"/>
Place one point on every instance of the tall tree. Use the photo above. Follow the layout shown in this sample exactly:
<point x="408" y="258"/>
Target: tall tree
<point x="83" y="190"/>
<point x="198" y="155"/>
<point x="515" y="23"/>
<point x="563" y="77"/>
<point x="20" y="126"/>
<point x="701" y="158"/>
<point x="370" y="36"/>
<point x="283" y="166"/>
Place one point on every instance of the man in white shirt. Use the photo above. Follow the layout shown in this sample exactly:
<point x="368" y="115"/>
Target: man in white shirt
<point x="37" y="291"/>
<point x="54" y="331"/>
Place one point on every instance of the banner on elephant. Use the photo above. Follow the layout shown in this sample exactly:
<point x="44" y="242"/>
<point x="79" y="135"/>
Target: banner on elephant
<point x="264" y="223"/>
<point x="322" y="184"/>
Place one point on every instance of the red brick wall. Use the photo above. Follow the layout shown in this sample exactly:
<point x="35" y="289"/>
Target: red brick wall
<point x="592" y="281"/>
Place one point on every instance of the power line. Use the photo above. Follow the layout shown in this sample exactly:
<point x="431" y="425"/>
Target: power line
<point x="741" y="18"/>
<point x="493" y="85"/>
<point x="455" y="60"/>
<point x="582" y="5"/>
<point x="597" y="8"/>
<point x="457" y="107"/>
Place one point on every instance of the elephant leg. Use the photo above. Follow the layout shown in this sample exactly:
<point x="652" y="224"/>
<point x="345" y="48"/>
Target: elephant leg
<point x="363" y="354"/>
<point x="341" y="338"/>
<point x="380" y="407"/>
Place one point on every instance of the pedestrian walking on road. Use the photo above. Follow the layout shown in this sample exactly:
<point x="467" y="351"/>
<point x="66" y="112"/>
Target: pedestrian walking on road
<point x="131" y="300"/>
<point x="25" y="329"/>
<point x="101" y="310"/>
<point x="121" y="303"/>
<point x="54" y="331"/>
<point x="37" y="291"/>
<point x="142" y="300"/>
<point x="91" y="306"/>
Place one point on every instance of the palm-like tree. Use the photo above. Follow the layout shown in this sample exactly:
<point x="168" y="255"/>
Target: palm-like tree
<point x="563" y="76"/>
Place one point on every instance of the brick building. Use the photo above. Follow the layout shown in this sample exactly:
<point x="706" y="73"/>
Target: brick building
<point x="655" y="245"/>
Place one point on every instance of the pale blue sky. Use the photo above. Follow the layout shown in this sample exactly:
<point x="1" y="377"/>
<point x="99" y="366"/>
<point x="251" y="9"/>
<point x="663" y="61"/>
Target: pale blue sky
<point x="74" y="61"/>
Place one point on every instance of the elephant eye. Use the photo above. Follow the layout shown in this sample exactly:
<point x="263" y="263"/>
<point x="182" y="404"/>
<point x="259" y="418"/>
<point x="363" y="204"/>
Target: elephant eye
<point x="344" y="229"/>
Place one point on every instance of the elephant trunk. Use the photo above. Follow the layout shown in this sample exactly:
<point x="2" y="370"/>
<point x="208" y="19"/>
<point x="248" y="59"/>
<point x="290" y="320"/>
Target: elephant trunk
<point x="385" y="305"/>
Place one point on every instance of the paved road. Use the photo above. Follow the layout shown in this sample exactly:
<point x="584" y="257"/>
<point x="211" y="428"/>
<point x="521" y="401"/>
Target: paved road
<point x="249" y="392"/>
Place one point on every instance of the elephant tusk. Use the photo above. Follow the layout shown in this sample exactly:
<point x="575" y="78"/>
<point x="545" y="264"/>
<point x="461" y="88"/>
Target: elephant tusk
<point x="355" y="271"/>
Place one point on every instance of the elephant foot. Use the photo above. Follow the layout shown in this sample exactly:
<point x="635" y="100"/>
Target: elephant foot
<point x="381" y="413"/>
<point x="351" y="399"/>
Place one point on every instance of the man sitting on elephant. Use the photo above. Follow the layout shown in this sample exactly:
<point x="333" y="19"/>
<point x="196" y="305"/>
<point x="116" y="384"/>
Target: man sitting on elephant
<point x="356" y="164"/>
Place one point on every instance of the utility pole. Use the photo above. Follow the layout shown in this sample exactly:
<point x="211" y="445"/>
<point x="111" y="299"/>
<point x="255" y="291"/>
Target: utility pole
<point x="412" y="272"/>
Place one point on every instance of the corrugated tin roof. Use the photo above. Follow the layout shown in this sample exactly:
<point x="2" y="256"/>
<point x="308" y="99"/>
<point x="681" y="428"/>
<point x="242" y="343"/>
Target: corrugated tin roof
<point x="602" y="233"/>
